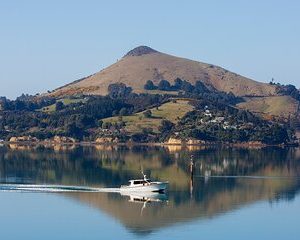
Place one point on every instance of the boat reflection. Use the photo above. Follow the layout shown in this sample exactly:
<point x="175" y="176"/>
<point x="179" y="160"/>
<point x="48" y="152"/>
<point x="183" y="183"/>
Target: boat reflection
<point x="137" y="197"/>
<point x="145" y="198"/>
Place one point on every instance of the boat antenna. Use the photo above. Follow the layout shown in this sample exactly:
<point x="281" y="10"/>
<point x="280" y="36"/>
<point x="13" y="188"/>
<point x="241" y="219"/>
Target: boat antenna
<point x="144" y="175"/>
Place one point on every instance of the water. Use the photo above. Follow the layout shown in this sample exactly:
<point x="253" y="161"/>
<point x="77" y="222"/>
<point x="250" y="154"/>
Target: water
<point x="71" y="193"/>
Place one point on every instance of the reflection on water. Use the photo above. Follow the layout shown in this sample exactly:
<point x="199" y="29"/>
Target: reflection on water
<point x="225" y="179"/>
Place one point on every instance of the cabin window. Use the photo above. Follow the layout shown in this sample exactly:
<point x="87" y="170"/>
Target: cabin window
<point x="139" y="182"/>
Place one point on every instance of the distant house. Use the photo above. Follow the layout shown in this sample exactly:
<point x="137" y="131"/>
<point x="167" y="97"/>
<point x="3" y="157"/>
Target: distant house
<point x="226" y="127"/>
<point x="207" y="113"/>
<point x="219" y="119"/>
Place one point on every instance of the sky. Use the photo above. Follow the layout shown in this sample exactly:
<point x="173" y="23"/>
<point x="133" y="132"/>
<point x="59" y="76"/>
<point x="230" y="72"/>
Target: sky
<point x="46" y="44"/>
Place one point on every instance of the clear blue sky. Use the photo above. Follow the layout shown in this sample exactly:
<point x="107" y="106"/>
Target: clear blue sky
<point x="45" y="44"/>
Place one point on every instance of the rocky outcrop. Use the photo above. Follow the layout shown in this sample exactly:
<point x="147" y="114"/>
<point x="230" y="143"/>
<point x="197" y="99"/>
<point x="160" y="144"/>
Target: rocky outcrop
<point x="106" y="140"/>
<point x="62" y="139"/>
<point x="13" y="139"/>
<point x="102" y="140"/>
<point x="174" y="141"/>
<point x="256" y="143"/>
<point x="195" y="142"/>
<point x="23" y="139"/>
<point x="178" y="141"/>
<point x="141" y="50"/>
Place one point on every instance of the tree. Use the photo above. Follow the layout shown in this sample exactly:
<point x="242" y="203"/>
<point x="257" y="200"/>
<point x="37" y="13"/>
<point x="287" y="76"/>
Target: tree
<point x="147" y="114"/>
<point x="100" y="122"/>
<point x="275" y="135"/>
<point x="164" y="85"/>
<point x="19" y="105"/>
<point x="200" y="87"/>
<point x="123" y="112"/>
<point x="149" y="85"/>
<point x="59" y="106"/>
<point x="114" y="113"/>
<point x="178" y="84"/>
<point x="73" y="130"/>
<point x="166" y="126"/>
<point x="85" y="121"/>
<point x="187" y="87"/>
<point x="119" y="90"/>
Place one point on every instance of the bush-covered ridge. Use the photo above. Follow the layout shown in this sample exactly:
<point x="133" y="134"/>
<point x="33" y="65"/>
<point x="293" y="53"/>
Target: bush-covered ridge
<point x="206" y="115"/>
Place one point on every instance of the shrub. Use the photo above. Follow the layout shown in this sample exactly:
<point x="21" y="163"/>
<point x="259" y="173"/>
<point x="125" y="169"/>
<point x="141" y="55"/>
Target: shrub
<point x="164" y="85"/>
<point x="149" y="85"/>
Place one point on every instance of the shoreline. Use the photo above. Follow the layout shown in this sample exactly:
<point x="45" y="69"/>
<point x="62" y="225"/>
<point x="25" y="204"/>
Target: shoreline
<point x="129" y="144"/>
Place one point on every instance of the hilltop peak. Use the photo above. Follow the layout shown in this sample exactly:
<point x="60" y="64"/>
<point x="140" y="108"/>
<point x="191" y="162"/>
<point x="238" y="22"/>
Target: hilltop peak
<point x="140" y="50"/>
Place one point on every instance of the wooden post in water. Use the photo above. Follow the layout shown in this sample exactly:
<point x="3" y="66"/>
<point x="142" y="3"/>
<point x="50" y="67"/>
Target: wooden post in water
<point x="192" y="176"/>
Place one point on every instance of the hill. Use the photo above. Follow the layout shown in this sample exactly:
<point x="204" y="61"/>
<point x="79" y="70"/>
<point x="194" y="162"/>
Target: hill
<point x="154" y="97"/>
<point x="144" y="63"/>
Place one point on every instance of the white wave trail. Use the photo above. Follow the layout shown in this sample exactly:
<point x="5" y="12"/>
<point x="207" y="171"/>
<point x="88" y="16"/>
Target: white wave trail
<point x="52" y="188"/>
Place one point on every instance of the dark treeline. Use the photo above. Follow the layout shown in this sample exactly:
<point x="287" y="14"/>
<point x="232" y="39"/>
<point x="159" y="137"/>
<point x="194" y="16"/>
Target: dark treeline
<point x="197" y="91"/>
<point x="290" y="90"/>
<point x="179" y="84"/>
<point x="28" y="104"/>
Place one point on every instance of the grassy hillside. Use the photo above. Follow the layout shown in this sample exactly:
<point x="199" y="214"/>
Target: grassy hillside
<point x="65" y="101"/>
<point x="275" y="105"/>
<point x="172" y="111"/>
<point x="135" y="69"/>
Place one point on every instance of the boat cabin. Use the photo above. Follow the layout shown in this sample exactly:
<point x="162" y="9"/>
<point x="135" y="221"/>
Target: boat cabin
<point x="139" y="182"/>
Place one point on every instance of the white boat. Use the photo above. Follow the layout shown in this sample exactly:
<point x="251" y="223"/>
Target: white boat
<point x="144" y="185"/>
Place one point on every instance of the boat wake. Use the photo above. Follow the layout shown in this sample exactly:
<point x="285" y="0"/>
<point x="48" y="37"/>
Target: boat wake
<point x="51" y="188"/>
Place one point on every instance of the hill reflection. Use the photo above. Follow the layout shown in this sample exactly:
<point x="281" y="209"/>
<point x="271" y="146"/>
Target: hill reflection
<point x="225" y="179"/>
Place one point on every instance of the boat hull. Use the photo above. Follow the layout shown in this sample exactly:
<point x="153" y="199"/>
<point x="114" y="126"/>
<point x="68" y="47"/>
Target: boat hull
<point x="153" y="187"/>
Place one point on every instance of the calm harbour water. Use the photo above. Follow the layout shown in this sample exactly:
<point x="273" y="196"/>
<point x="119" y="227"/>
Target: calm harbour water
<point x="235" y="194"/>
